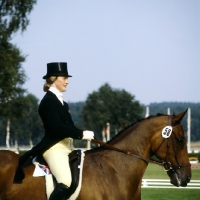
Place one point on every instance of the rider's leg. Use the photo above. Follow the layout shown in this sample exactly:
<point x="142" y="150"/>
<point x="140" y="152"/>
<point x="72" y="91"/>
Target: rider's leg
<point x="58" y="161"/>
<point x="60" y="192"/>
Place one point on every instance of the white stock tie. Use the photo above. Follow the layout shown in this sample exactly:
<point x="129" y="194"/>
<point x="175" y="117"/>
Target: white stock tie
<point x="60" y="97"/>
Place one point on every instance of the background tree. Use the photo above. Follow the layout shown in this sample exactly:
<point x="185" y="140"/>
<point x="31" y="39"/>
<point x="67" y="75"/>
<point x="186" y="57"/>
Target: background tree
<point x="28" y="128"/>
<point x="13" y="17"/>
<point x="11" y="91"/>
<point x="115" y="106"/>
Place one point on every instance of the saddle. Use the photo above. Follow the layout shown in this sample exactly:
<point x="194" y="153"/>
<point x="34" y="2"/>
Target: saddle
<point x="74" y="162"/>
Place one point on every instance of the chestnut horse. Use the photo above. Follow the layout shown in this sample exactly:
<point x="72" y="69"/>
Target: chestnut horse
<point x="109" y="174"/>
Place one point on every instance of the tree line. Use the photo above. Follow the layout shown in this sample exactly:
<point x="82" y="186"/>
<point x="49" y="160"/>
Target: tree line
<point x="106" y="105"/>
<point x="115" y="106"/>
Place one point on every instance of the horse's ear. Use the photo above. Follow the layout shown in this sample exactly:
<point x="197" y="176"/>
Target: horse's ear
<point x="180" y="116"/>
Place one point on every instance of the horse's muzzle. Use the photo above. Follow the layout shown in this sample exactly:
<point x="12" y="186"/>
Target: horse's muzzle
<point x="177" y="181"/>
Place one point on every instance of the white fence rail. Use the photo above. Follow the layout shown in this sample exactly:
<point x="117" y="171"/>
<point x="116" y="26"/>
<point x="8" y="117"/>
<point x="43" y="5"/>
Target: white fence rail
<point x="165" y="183"/>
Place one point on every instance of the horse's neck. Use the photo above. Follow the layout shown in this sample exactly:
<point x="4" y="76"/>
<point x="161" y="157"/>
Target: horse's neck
<point x="136" y="139"/>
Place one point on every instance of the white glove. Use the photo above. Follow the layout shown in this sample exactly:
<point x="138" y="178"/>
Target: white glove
<point x="88" y="135"/>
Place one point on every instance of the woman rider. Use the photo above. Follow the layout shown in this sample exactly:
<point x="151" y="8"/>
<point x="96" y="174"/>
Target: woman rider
<point x="59" y="130"/>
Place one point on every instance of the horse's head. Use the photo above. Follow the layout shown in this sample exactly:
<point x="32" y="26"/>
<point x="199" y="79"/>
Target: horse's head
<point x="169" y="145"/>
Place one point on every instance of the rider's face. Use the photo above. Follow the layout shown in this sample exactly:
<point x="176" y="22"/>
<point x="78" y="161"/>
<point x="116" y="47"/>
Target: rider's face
<point x="61" y="83"/>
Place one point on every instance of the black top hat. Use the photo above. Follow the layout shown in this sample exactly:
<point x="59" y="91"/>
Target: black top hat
<point x="56" y="69"/>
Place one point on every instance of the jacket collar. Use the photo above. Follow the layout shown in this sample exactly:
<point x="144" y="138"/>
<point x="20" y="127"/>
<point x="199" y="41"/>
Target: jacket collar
<point x="49" y="93"/>
<point x="65" y="105"/>
<point x="56" y="92"/>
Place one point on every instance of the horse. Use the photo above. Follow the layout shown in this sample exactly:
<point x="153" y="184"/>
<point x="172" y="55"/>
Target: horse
<point x="113" y="171"/>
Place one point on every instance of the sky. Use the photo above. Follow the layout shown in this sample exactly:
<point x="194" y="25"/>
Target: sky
<point x="150" y="48"/>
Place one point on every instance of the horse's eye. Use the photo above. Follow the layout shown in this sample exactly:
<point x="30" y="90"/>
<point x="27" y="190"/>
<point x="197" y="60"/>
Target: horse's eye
<point x="179" y="140"/>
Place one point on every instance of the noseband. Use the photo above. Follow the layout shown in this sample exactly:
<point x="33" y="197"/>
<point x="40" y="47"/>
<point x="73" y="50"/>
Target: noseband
<point x="166" y="164"/>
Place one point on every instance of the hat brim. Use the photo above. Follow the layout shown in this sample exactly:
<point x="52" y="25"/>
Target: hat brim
<point x="47" y="76"/>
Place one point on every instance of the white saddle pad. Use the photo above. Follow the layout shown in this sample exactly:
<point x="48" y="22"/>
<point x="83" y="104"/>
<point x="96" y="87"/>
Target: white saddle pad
<point x="42" y="170"/>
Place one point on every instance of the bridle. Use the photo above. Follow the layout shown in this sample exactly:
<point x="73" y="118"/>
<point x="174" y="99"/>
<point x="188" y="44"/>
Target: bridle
<point x="165" y="164"/>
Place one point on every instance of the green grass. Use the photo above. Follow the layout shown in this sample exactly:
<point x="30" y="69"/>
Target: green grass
<point x="195" y="174"/>
<point x="156" y="172"/>
<point x="170" y="194"/>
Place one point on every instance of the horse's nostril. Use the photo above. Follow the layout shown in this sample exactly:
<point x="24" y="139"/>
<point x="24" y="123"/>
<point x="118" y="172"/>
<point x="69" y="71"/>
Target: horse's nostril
<point x="188" y="179"/>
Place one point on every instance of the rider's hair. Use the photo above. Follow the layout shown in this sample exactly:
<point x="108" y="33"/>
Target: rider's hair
<point x="49" y="81"/>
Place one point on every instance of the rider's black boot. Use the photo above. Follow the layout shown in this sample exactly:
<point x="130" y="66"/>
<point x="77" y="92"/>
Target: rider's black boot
<point x="61" y="192"/>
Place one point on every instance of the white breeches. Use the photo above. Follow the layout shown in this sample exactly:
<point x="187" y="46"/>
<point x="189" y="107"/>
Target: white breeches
<point x="58" y="160"/>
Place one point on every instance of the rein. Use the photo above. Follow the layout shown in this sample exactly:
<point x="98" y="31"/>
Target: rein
<point x="97" y="141"/>
<point x="163" y="164"/>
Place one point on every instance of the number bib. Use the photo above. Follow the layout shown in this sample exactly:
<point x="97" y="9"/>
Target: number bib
<point x="167" y="131"/>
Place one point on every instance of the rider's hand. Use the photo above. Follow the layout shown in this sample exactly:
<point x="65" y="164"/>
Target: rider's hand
<point x="88" y="135"/>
